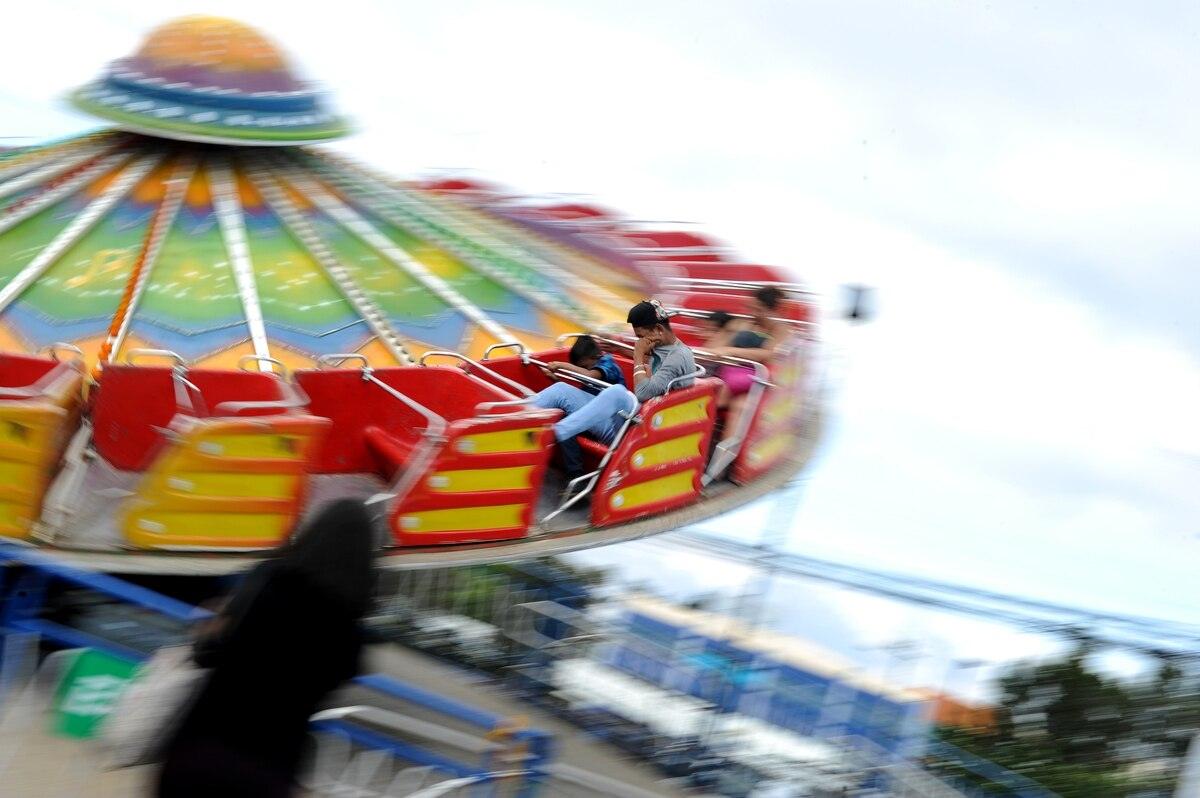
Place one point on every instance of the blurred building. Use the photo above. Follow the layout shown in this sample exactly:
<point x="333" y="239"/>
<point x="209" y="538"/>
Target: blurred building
<point x="778" y="679"/>
<point x="947" y="710"/>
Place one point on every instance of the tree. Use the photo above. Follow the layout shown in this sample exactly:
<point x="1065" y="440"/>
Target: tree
<point x="1082" y="733"/>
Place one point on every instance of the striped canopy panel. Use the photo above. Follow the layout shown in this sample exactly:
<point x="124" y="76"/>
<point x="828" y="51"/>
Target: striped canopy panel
<point x="118" y="241"/>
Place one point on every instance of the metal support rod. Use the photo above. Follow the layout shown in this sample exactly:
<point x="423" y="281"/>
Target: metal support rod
<point x="233" y="228"/>
<point x="160" y="224"/>
<point x="520" y="389"/>
<point x="290" y="216"/>
<point x="27" y="207"/>
<point x="344" y="215"/>
<point x="78" y="227"/>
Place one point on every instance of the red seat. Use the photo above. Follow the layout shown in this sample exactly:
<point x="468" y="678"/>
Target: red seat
<point x="22" y="371"/>
<point x="392" y="452"/>
<point x="667" y="239"/>
<point x="453" y="184"/>
<point x="593" y="450"/>
<point x="218" y="386"/>
<point x="571" y="211"/>
<point x="739" y="302"/>
<point x="132" y="404"/>
<point x="355" y="406"/>
<point x="738" y="272"/>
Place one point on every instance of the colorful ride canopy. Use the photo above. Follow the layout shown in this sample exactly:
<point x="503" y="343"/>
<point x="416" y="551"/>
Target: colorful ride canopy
<point x="204" y="237"/>
<point x="214" y="80"/>
<point x="157" y="236"/>
<point x="117" y="241"/>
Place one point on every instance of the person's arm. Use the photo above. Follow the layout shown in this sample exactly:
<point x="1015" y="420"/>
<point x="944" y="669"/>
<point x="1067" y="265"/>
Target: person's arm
<point x="761" y="354"/>
<point x="648" y="387"/>
<point x="719" y="338"/>
<point x="641" y="364"/>
<point x="595" y="374"/>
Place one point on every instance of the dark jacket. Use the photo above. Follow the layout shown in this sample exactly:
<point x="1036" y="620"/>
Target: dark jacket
<point x="288" y="643"/>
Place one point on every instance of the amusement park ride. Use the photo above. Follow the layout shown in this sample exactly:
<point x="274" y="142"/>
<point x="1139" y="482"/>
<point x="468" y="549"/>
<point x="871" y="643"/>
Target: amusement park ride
<point x="209" y="325"/>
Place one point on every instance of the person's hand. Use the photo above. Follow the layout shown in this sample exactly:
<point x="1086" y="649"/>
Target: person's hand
<point x="641" y="349"/>
<point x="719" y="351"/>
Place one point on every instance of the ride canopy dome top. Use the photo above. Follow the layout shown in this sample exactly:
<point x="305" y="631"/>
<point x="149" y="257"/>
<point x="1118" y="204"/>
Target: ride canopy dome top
<point x="202" y="336"/>
<point x="213" y="80"/>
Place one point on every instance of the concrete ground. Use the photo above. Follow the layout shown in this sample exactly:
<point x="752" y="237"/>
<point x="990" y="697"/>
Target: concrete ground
<point x="36" y="764"/>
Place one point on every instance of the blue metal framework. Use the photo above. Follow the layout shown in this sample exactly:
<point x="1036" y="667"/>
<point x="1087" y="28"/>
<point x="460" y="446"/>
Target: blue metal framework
<point x="26" y="576"/>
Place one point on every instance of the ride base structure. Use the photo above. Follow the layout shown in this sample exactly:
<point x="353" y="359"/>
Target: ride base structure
<point x="209" y="325"/>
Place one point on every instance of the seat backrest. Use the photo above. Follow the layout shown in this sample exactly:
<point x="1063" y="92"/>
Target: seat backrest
<point x="569" y="211"/>
<point x="446" y="390"/>
<point x="131" y="401"/>
<point x="234" y="385"/>
<point x="511" y="367"/>
<point x="735" y="301"/>
<point x="353" y="404"/>
<point x="21" y="371"/>
<point x="740" y="272"/>
<point x="668" y="239"/>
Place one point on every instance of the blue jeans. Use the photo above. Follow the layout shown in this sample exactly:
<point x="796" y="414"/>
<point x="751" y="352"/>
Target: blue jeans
<point x="598" y="415"/>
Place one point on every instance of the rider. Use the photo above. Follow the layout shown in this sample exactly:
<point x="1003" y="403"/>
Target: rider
<point x="658" y="358"/>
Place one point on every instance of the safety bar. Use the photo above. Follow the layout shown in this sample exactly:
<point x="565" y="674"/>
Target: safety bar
<point x="704" y="314"/>
<point x="294" y="397"/>
<point x="335" y="359"/>
<point x="695" y="250"/>
<point x="520" y="347"/>
<point x="283" y="370"/>
<point x="562" y="339"/>
<point x="52" y="350"/>
<point x="183" y="398"/>
<point x="711" y="282"/>
<point x="761" y="373"/>
<point x="575" y="375"/>
<point x="435" y="424"/>
<point x="614" y="342"/>
<point x="435" y="431"/>
<point x="180" y="363"/>
<point x="521" y="389"/>
<point x="48" y="383"/>
<point x="699" y="373"/>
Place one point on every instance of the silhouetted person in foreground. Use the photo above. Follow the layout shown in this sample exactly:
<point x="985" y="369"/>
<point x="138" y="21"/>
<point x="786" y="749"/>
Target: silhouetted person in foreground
<point x="288" y="636"/>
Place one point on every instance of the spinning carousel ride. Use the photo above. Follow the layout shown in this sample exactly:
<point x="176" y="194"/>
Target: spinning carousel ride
<point x="209" y="325"/>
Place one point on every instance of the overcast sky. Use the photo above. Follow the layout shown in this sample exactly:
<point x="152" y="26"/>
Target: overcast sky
<point x="1019" y="181"/>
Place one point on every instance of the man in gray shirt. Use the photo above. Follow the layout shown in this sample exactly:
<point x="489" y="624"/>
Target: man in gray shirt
<point x="658" y="358"/>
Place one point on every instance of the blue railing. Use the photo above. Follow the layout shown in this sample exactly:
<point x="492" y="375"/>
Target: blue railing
<point x="23" y="600"/>
<point x="1014" y="784"/>
<point x="24" y="590"/>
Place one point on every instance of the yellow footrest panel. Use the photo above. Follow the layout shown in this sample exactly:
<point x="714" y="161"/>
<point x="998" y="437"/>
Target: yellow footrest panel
<point x="653" y="491"/>
<point x="463" y="519"/>
<point x="158" y="529"/>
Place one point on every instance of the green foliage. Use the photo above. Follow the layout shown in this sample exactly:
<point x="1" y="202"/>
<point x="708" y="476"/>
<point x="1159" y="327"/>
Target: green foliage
<point x="1084" y="734"/>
